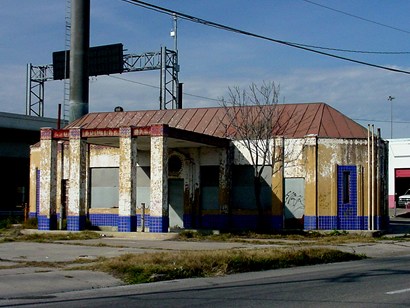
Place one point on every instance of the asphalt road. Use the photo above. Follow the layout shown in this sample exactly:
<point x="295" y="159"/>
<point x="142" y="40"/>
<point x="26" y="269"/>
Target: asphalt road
<point x="379" y="282"/>
<point x="363" y="283"/>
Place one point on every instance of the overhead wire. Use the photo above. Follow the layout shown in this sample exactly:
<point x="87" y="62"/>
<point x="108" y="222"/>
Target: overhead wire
<point x="356" y="16"/>
<point x="217" y="100"/>
<point x="247" y="33"/>
<point x="156" y="87"/>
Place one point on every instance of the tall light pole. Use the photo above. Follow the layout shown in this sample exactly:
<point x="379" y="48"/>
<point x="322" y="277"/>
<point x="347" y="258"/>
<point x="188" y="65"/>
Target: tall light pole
<point x="391" y="98"/>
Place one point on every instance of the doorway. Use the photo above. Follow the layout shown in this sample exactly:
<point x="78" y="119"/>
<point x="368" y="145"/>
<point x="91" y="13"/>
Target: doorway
<point x="176" y="203"/>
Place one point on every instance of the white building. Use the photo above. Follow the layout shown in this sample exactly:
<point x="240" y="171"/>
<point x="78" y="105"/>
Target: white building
<point x="399" y="169"/>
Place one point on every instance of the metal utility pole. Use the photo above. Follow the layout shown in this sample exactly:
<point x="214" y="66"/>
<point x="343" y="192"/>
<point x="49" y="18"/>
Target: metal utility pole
<point x="391" y="98"/>
<point x="177" y="87"/>
<point x="80" y="43"/>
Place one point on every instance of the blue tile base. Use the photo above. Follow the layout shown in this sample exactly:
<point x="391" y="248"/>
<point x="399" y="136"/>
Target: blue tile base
<point x="240" y="222"/>
<point x="354" y="223"/>
<point x="158" y="224"/>
<point x="32" y="215"/>
<point x="187" y="221"/>
<point x="127" y="223"/>
<point x="76" y="223"/>
<point x="104" y="220"/>
<point x="45" y="223"/>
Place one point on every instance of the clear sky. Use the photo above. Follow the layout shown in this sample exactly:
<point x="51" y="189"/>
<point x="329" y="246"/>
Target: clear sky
<point x="212" y="60"/>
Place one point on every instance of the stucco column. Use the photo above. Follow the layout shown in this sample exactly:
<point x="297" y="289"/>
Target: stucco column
<point x="127" y="181"/>
<point x="48" y="169"/>
<point x="311" y="219"/>
<point x="159" y="218"/>
<point x="225" y="158"/>
<point x="277" y="183"/>
<point x="77" y="182"/>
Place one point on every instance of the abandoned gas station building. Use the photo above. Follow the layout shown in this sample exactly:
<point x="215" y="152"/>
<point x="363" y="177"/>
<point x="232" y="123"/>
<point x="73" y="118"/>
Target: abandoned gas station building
<point x="162" y="170"/>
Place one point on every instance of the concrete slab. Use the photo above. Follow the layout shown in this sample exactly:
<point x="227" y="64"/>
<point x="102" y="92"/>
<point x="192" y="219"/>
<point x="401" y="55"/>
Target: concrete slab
<point x="29" y="282"/>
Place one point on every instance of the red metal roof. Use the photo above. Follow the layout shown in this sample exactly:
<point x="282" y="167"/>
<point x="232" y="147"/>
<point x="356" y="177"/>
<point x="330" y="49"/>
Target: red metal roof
<point x="295" y="120"/>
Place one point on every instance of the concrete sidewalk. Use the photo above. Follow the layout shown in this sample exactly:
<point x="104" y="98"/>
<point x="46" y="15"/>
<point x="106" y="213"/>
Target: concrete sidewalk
<point x="44" y="278"/>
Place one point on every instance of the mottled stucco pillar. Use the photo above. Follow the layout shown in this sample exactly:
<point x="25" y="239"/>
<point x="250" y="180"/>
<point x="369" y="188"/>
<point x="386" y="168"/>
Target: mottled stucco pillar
<point x="77" y="182"/>
<point x="278" y="165"/>
<point x="311" y="219"/>
<point x="225" y="158"/>
<point x="47" y="219"/>
<point x="159" y="218"/>
<point x="127" y="181"/>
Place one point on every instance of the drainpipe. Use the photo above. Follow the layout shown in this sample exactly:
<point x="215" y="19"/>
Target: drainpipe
<point x="373" y="178"/>
<point x="378" y="211"/>
<point x="60" y="220"/>
<point x="369" y="171"/>
<point x="316" y="183"/>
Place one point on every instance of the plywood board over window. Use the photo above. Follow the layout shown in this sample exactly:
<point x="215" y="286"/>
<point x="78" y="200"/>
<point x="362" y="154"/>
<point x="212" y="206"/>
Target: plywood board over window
<point x="104" y="187"/>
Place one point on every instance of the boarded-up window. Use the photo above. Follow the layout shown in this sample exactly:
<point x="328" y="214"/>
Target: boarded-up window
<point x="209" y="187"/>
<point x="104" y="187"/>
<point x="243" y="192"/>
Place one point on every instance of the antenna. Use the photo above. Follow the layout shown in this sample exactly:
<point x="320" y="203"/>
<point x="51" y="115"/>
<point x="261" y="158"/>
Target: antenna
<point x="391" y="98"/>
<point x="174" y="32"/>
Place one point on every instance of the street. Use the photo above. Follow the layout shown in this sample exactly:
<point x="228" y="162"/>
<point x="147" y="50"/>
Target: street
<point x="380" y="280"/>
<point x="368" y="283"/>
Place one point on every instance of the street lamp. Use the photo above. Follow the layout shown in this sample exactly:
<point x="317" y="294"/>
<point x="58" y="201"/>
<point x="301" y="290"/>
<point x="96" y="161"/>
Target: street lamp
<point x="391" y="98"/>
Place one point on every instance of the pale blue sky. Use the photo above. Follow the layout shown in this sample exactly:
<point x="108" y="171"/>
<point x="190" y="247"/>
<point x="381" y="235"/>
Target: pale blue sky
<point x="212" y="60"/>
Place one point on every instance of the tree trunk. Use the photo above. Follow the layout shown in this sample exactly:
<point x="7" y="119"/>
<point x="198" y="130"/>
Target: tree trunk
<point x="258" y="201"/>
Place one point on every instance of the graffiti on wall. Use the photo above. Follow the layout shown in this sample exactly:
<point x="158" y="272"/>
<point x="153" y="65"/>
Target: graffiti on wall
<point x="294" y="198"/>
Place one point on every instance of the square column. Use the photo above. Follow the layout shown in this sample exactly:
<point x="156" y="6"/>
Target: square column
<point x="278" y="166"/>
<point x="77" y="182"/>
<point x="311" y="219"/>
<point x="159" y="217"/>
<point x="225" y="175"/>
<point x="47" y="219"/>
<point x="127" y="221"/>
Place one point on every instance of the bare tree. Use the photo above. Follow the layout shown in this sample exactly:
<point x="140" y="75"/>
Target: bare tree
<point x="252" y="121"/>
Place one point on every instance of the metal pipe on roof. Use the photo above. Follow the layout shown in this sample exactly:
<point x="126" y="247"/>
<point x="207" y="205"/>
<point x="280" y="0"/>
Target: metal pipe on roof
<point x="80" y="43"/>
<point x="373" y="177"/>
<point x="369" y="227"/>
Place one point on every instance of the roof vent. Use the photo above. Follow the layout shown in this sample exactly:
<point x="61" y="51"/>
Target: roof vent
<point x="118" y="109"/>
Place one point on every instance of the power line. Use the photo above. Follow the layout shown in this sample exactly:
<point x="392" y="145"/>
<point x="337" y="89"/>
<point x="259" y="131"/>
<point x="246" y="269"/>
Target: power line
<point x="156" y="87"/>
<point x="382" y="121"/>
<point x="247" y="33"/>
<point x="356" y="51"/>
<point x="217" y="100"/>
<point x="133" y="81"/>
<point x="357" y="17"/>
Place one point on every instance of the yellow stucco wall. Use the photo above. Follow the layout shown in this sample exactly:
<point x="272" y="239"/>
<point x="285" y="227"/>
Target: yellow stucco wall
<point x="342" y="152"/>
<point x="34" y="166"/>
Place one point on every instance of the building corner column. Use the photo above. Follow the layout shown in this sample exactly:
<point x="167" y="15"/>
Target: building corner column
<point x="278" y="169"/>
<point x="311" y="221"/>
<point x="76" y="217"/>
<point x="225" y="185"/>
<point x="159" y="216"/>
<point x="47" y="219"/>
<point x="127" y="220"/>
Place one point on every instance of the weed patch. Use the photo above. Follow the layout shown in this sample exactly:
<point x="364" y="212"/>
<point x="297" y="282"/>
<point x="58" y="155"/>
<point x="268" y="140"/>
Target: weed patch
<point x="151" y="267"/>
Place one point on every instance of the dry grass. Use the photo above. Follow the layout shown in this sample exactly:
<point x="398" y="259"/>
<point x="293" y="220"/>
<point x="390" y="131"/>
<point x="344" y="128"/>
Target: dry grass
<point x="150" y="267"/>
<point x="300" y="238"/>
<point x="14" y="234"/>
